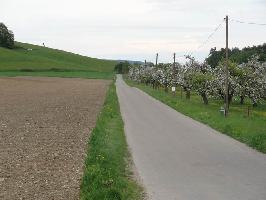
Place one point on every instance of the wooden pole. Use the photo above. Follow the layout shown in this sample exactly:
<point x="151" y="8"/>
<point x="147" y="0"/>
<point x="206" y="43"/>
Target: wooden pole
<point x="226" y="72"/>
<point x="156" y="59"/>
<point x="174" y="75"/>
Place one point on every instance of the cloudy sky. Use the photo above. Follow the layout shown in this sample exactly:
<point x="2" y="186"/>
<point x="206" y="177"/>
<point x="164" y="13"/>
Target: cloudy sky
<point x="134" y="29"/>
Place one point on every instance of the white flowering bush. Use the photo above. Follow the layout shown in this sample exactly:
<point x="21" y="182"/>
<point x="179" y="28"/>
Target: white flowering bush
<point x="184" y="77"/>
<point x="252" y="80"/>
<point x="218" y="83"/>
<point x="202" y="80"/>
<point x="165" y="72"/>
<point x="247" y="80"/>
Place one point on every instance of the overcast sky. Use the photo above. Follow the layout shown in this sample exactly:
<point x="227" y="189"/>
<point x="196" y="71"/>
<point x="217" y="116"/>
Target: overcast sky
<point x="134" y="29"/>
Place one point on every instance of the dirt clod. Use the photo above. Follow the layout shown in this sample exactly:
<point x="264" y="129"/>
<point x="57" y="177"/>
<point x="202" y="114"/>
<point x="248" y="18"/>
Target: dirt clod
<point x="44" y="129"/>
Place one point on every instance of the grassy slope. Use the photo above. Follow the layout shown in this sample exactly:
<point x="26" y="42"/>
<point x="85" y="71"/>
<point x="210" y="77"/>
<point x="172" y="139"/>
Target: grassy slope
<point x="106" y="170"/>
<point x="47" y="61"/>
<point x="250" y="130"/>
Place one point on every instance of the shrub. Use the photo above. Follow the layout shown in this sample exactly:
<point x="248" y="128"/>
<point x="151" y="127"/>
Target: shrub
<point x="6" y="37"/>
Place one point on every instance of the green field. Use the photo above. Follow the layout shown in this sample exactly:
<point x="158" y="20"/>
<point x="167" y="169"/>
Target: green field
<point x="43" y="61"/>
<point x="250" y="130"/>
<point x="108" y="172"/>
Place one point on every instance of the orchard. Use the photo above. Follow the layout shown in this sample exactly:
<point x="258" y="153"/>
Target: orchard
<point x="246" y="80"/>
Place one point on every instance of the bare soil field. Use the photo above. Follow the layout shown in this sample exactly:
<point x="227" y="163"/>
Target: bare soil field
<point x="44" y="128"/>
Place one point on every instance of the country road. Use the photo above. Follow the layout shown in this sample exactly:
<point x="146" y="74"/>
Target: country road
<point x="179" y="158"/>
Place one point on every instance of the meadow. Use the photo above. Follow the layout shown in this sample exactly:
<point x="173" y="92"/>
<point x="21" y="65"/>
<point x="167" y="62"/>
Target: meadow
<point x="33" y="60"/>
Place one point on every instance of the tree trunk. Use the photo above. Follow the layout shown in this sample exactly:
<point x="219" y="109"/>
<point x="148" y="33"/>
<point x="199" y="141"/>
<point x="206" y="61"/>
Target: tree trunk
<point x="205" y="98"/>
<point x="230" y="98"/>
<point x="166" y="88"/>
<point x="242" y="100"/>
<point x="187" y="94"/>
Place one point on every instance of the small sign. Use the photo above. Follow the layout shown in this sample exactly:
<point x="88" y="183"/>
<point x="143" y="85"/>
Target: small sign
<point x="173" y="89"/>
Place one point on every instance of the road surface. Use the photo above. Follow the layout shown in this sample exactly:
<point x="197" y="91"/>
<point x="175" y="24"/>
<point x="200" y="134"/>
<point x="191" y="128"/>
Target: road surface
<point x="179" y="158"/>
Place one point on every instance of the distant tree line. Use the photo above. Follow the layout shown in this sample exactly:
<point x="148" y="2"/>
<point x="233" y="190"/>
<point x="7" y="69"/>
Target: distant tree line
<point x="237" y="55"/>
<point x="6" y="37"/>
<point x="122" y="67"/>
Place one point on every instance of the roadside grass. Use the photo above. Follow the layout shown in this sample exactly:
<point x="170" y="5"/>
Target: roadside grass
<point x="249" y="130"/>
<point x="63" y="74"/>
<point x="107" y="174"/>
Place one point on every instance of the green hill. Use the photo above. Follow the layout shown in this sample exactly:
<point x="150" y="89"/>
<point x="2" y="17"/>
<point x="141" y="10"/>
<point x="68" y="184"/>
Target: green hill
<point x="37" y="60"/>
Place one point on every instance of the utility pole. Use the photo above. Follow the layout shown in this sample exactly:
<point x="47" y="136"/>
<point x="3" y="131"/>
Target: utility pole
<point x="226" y="72"/>
<point x="174" y="76"/>
<point x="156" y="59"/>
<point x="174" y="60"/>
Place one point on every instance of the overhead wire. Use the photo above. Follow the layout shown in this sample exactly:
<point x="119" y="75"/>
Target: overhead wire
<point x="190" y="53"/>
<point x="250" y="23"/>
<point x="208" y="38"/>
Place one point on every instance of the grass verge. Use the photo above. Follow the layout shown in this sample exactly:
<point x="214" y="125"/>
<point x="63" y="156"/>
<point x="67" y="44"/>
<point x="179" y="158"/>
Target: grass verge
<point x="249" y="130"/>
<point x="66" y="74"/>
<point x="107" y="173"/>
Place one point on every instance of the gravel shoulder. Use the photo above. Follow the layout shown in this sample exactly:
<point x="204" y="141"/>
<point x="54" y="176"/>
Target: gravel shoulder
<point x="44" y="129"/>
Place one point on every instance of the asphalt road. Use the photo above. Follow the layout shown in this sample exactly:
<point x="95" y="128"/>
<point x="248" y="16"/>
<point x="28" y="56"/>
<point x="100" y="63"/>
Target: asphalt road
<point x="179" y="158"/>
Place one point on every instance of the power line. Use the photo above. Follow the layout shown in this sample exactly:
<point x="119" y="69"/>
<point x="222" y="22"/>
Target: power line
<point x="243" y="22"/>
<point x="208" y="38"/>
<point x="180" y="56"/>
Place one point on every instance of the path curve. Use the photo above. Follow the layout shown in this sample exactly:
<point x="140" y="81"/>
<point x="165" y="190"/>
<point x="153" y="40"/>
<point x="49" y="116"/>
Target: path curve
<point x="179" y="158"/>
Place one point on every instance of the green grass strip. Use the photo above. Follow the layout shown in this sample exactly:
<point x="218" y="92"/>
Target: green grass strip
<point x="249" y="130"/>
<point x="63" y="74"/>
<point x="107" y="173"/>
